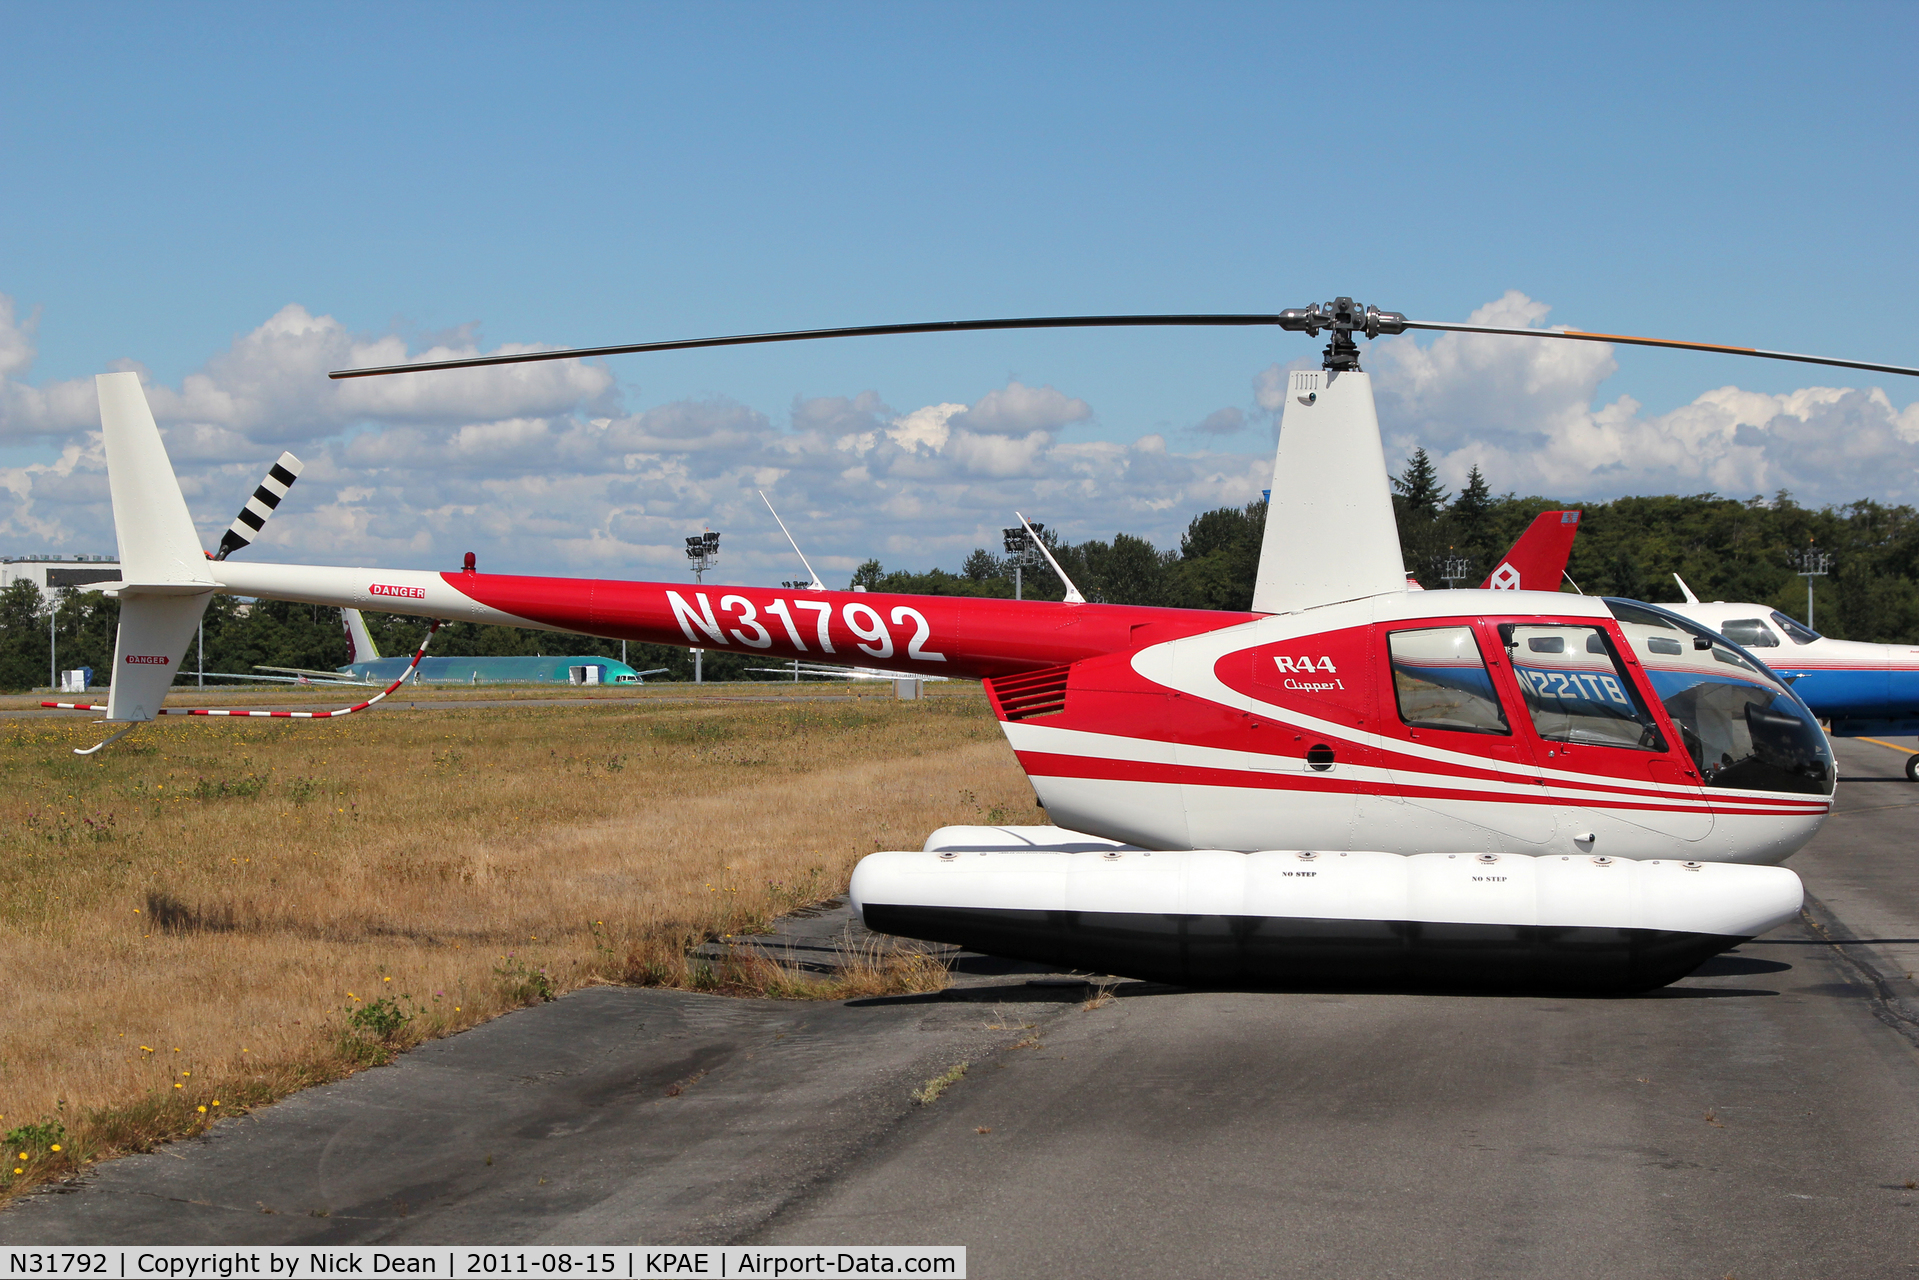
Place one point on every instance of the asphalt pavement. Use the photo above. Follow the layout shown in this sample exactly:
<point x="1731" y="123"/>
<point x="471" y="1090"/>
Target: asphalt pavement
<point x="1759" y="1118"/>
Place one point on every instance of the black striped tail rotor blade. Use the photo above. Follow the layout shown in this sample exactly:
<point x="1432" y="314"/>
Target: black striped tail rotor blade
<point x="260" y="507"/>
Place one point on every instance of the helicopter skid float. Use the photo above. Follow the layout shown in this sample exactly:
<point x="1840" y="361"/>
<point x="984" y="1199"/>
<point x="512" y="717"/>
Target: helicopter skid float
<point x="1307" y="917"/>
<point x="1351" y="782"/>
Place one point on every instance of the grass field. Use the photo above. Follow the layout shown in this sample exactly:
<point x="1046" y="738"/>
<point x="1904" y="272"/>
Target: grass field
<point x="211" y="914"/>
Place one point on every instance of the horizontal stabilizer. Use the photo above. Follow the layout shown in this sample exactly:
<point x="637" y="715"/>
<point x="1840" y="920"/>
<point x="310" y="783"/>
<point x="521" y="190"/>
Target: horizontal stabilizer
<point x="312" y="674"/>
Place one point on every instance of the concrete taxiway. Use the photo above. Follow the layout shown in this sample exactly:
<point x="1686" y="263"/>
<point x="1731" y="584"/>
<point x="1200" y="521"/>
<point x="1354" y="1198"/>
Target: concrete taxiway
<point x="1759" y="1118"/>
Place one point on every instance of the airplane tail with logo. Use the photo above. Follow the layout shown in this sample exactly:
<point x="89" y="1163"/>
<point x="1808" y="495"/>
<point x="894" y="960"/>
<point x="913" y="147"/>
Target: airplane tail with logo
<point x="359" y="641"/>
<point x="1537" y="561"/>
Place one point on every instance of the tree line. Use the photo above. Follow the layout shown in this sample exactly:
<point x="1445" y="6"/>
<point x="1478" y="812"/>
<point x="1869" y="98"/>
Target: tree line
<point x="1725" y="548"/>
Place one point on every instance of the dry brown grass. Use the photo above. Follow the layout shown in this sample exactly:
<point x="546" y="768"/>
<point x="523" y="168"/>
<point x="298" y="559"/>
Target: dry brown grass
<point x="198" y="913"/>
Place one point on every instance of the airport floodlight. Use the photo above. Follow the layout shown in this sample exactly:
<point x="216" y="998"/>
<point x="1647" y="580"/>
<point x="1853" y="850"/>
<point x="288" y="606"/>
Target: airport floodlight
<point x="702" y="553"/>
<point x="1453" y="569"/>
<point x="1813" y="563"/>
<point x="1022" y="553"/>
<point x="1020" y="549"/>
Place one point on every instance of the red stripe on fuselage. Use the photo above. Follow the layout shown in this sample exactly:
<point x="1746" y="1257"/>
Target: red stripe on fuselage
<point x="1101" y="768"/>
<point x="973" y="637"/>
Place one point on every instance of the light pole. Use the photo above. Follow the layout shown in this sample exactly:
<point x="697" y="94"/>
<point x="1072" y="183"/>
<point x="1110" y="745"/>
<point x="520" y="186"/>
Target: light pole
<point x="702" y="553"/>
<point x="1453" y="570"/>
<point x="1021" y="552"/>
<point x="1813" y="563"/>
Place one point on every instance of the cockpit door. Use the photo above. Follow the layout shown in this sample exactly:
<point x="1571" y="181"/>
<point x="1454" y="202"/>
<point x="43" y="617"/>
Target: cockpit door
<point x="1458" y="762"/>
<point x="1602" y="750"/>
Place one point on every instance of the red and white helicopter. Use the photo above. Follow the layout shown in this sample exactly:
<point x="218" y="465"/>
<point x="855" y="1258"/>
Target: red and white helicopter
<point x="1352" y="783"/>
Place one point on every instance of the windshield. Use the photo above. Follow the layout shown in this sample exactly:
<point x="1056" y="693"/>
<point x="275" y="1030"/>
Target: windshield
<point x="1750" y="633"/>
<point x="1741" y="726"/>
<point x="1796" y="633"/>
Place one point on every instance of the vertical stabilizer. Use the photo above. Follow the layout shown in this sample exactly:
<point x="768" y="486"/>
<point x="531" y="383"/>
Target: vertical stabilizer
<point x="157" y="540"/>
<point x="1538" y="560"/>
<point x="1330" y="533"/>
<point x="164" y="568"/>
<point x="155" y="631"/>
<point x="359" y="641"/>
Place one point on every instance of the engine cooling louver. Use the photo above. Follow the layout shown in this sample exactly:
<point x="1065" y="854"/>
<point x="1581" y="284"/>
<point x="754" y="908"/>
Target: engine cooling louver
<point x="1030" y="693"/>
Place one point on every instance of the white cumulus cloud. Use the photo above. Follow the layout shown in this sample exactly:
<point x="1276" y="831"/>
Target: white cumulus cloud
<point x="1529" y="414"/>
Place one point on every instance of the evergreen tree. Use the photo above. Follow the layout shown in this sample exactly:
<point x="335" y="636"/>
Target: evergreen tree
<point x="1418" y="504"/>
<point x="868" y="575"/>
<point x="1418" y="485"/>
<point x="982" y="565"/>
<point x="23" y="637"/>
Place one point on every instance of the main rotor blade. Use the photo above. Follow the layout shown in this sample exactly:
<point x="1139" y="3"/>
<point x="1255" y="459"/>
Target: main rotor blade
<point x="1580" y="335"/>
<point x="801" y="335"/>
<point x="1094" y="322"/>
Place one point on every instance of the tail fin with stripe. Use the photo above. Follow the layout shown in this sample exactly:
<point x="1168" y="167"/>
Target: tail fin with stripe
<point x="359" y="641"/>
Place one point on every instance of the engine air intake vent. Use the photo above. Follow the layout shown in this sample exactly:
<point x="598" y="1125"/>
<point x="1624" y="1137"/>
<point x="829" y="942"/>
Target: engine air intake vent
<point x="1030" y="693"/>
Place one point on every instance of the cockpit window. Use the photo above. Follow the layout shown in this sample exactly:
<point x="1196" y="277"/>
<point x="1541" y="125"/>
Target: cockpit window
<point x="1750" y="632"/>
<point x="1742" y="728"/>
<point x="1441" y="681"/>
<point x="1794" y="632"/>
<point x="1575" y="689"/>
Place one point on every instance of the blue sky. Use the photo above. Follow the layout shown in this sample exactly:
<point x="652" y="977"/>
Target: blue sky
<point x="476" y="175"/>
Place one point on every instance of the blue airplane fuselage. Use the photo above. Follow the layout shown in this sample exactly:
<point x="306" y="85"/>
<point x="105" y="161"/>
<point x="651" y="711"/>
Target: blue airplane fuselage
<point x="518" y="670"/>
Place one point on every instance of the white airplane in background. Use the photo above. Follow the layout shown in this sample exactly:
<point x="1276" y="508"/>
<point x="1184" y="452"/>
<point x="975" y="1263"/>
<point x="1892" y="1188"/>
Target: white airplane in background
<point x="1863" y="690"/>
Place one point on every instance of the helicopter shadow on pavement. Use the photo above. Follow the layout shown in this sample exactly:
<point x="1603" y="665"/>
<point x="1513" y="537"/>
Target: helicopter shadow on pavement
<point x="1133" y="989"/>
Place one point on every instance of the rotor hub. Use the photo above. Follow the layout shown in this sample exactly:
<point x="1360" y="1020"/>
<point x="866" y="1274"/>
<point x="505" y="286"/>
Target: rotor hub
<point x="1342" y="318"/>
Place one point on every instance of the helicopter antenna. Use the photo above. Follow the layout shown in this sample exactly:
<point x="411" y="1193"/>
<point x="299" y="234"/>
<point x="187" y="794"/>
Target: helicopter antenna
<point x="816" y="584"/>
<point x="1072" y="592"/>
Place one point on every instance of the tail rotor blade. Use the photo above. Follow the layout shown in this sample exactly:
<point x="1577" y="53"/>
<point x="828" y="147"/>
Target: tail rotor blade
<point x="260" y="507"/>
